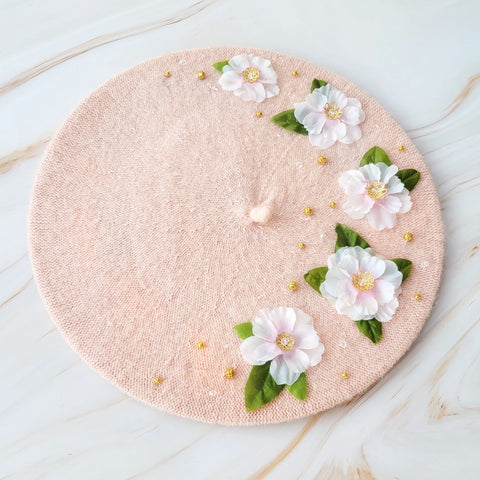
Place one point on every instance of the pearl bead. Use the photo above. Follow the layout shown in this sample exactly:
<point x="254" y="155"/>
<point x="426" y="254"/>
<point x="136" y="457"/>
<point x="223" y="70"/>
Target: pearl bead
<point x="201" y="74"/>
<point x="322" y="159"/>
<point x="401" y="148"/>
<point x="259" y="114"/>
<point x="417" y="296"/>
<point x="167" y="73"/>
<point x="308" y="211"/>
<point x="344" y="375"/>
<point x="408" y="237"/>
<point x="333" y="204"/>
<point x="301" y="245"/>
<point x="293" y="285"/>
<point x="230" y="372"/>
<point x="158" y="381"/>
<point x="200" y="345"/>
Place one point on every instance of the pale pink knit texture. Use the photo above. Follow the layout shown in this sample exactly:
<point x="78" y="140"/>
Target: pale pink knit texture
<point x="142" y="245"/>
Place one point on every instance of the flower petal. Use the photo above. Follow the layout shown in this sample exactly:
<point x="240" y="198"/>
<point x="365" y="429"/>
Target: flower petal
<point x="271" y="90"/>
<point x="301" y="110"/>
<point x="385" y="312"/>
<point x="240" y="62"/>
<point x="357" y="206"/>
<point x="318" y="98"/>
<point x="314" y="122"/>
<point x="304" y="333"/>
<point x="263" y="326"/>
<point x="316" y="354"/>
<point x="352" y="182"/>
<point x="386" y="171"/>
<point x="406" y="202"/>
<point x="373" y="264"/>
<point x="248" y="349"/>
<point x="379" y="218"/>
<point x="261" y="64"/>
<point x="367" y="304"/>
<point x="352" y="134"/>
<point x="391" y="203"/>
<point x="267" y="351"/>
<point x="297" y="360"/>
<point x="336" y="96"/>
<point x="322" y="140"/>
<point x="353" y="114"/>
<point x="251" y="92"/>
<point x="394" y="185"/>
<point x="371" y="172"/>
<point x="230" y="80"/>
<point x="384" y="291"/>
<point x="392" y="274"/>
<point x="281" y="373"/>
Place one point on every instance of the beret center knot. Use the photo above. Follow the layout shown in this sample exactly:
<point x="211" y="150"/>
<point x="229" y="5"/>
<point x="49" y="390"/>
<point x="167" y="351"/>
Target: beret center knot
<point x="262" y="213"/>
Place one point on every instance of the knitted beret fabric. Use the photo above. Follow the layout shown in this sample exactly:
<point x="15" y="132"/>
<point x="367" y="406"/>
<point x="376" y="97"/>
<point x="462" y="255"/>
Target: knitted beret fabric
<point x="142" y="242"/>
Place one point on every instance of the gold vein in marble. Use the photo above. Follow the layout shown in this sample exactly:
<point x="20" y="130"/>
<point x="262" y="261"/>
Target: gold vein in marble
<point x="8" y="161"/>
<point x="100" y="41"/>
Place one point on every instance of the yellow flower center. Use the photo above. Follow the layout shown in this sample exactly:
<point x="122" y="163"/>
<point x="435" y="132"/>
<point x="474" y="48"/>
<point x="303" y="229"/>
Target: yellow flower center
<point x="285" y="341"/>
<point x="363" y="280"/>
<point x="251" y="75"/>
<point x="333" y="111"/>
<point x="376" y="189"/>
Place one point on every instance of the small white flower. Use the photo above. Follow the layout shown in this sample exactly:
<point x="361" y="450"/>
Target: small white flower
<point x="361" y="284"/>
<point x="286" y="337"/>
<point x="328" y="115"/>
<point x="251" y="78"/>
<point x="375" y="192"/>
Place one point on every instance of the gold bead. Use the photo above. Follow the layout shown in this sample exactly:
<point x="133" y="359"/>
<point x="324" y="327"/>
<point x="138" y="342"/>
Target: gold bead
<point x="333" y="204"/>
<point x="167" y="73"/>
<point x="200" y="345"/>
<point x="201" y="75"/>
<point x="417" y="296"/>
<point x="344" y="375"/>
<point x="401" y="148"/>
<point x="158" y="381"/>
<point x="230" y="372"/>
<point x="293" y="285"/>
<point x="322" y="159"/>
<point x="294" y="73"/>
<point x="308" y="211"/>
<point x="408" y="237"/>
<point x="259" y="114"/>
<point x="301" y="245"/>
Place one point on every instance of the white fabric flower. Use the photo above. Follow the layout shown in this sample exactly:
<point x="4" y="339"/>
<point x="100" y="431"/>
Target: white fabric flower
<point x="328" y="115"/>
<point x="251" y="78"/>
<point x="286" y="337"/>
<point x="376" y="192"/>
<point x="361" y="284"/>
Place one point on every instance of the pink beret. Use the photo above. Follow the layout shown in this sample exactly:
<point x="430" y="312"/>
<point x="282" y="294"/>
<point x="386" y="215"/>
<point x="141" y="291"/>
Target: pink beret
<point x="173" y="245"/>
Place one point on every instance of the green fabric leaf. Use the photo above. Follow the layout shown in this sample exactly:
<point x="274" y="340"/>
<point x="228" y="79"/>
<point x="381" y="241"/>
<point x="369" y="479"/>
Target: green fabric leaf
<point x="300" y="388"/>
<point x="375" y="155"/>
<point x="317" y="84"/>
<point x="371" y="329"/>
<point x="288" y="121"/>
<point x="260" y="388"/>
<point x="405" y="266"/>
<point x="409" y="177"/>
<point x="244" y="330"/>
<point x="348" y="238"/>
<point x="219" y="65"/>
<point x="316" y="277"/>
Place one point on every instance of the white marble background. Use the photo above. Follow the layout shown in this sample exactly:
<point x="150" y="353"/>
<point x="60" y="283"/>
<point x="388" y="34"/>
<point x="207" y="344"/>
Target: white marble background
<point x="419" y="58"/>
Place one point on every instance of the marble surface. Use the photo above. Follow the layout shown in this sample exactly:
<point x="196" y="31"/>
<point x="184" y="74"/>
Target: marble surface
<point x="419" y="59"/>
